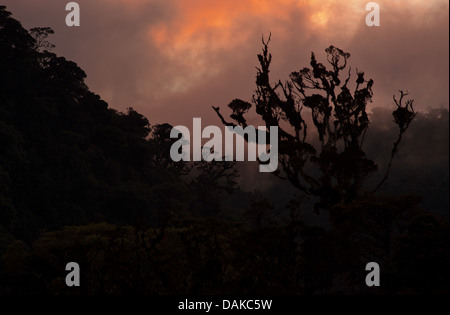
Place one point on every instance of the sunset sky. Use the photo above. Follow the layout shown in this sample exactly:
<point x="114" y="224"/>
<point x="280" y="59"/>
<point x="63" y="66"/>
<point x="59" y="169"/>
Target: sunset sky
<point x="172" y="60"/>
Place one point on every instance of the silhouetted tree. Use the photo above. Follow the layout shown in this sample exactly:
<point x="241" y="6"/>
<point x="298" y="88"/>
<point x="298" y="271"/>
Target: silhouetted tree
<point x="40" y="35"/>
<point x="336" y="168"/>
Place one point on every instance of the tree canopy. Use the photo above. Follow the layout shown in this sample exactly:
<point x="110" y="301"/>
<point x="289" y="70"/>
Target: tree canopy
<point x="334" y="167"/>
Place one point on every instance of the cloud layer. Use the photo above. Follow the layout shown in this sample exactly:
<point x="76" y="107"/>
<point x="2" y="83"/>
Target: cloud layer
<point x="172" y="60"/>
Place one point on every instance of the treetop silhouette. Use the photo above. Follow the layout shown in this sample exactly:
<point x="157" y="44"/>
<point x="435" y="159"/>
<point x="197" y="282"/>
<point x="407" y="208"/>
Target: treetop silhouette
<point x="321" y="97"/>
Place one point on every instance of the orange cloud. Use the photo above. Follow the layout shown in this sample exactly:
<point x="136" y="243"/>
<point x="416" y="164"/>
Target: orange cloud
<point x="203" y="27"/>
<point x="202" y="30"/>
<point x="210" y="25"/>
<point x="197" y="34"/>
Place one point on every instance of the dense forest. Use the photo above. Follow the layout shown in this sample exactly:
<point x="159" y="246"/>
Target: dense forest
<point x="80" y="181"/>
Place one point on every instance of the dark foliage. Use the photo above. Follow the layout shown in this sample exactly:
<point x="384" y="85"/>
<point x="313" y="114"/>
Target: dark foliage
<point x="66" y="158"/>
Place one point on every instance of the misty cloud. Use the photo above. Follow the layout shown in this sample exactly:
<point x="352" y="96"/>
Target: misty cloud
<point x="173" y="60"/>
